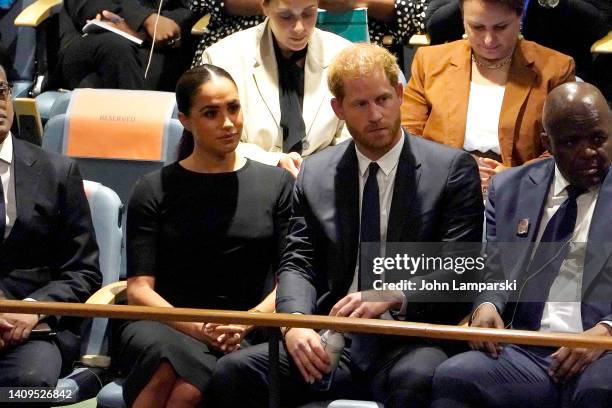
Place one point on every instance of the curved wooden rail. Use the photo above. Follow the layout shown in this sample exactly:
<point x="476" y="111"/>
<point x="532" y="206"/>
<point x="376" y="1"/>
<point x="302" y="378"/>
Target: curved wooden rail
<point x="343" y="324"/>
<point x="200" y="25"/>
<point x="603" y="45"/>
<point x="37" y="12"/>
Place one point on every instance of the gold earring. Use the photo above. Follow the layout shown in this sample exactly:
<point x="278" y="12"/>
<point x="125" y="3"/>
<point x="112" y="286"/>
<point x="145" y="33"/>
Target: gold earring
<point x="520" y="36"/>
<point x="464" y="36"/>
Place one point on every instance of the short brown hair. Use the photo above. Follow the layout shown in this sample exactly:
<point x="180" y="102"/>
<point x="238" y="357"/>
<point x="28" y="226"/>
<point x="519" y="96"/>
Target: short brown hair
<point x="357" y="60"/>
<point x="514" y="5"/>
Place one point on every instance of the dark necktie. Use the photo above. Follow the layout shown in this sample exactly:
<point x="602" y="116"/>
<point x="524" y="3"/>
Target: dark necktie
<point x="546" y="262"/>
<point x="370" y="227"/>
<point x="364" y="346"/>
<point x="291" y="87"/>
<point x="2" y="213"/>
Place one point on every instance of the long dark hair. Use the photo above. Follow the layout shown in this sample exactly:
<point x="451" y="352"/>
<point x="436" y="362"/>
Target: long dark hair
<point x="186" y="90"/>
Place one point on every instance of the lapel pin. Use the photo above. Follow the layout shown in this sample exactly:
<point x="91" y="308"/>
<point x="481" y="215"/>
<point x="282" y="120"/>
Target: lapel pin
<point x="522" y="227"/>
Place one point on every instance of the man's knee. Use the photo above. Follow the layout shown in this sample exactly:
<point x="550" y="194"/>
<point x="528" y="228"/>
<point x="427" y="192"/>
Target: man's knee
<point x="115" y="48"/>
<point x="239" y="379"/>
<point x="592" y="398"/>
<point x="37" y="377"/>
<point x="32" y="364"/>
<point x="458" y="378"/>
<point x="594" y="387"/>
<point x="230" y="367"/>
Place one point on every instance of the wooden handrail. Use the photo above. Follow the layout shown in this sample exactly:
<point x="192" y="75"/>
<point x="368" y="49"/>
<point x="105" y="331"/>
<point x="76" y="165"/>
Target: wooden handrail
<point x="37" y="12"/>
<point x="603" y="45"/>
<point x="200" y="25"/>
<point x="344" y="324"/>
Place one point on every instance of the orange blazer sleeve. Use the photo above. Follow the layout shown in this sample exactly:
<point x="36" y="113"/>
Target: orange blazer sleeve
<point x="415" y="107"/>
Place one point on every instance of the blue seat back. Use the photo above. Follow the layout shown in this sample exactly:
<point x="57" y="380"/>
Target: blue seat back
<point x="106" y="209"/>
<point x="106" y="213"/>
<point x="118" y="174"/>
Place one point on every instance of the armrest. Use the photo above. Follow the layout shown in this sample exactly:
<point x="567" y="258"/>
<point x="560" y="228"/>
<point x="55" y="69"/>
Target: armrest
<point x="37" y="12"/>
<point x="419" y="39"/>
<point x="28" y="119"/>
<point x="110" y="294"/>
<point x="603" y="45"/>
<point x="200" y="25"/>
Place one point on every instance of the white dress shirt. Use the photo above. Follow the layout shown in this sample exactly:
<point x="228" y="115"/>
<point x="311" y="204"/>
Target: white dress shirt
<point x="7" y="169"/>
<point x="562" y="307"/>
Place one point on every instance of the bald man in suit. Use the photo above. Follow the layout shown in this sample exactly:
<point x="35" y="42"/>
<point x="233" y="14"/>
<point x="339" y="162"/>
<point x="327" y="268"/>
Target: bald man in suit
<point x="562" y="207"/>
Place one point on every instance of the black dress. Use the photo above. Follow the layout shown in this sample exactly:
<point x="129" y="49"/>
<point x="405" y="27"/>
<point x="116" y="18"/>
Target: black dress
<point x="211" y="240"/>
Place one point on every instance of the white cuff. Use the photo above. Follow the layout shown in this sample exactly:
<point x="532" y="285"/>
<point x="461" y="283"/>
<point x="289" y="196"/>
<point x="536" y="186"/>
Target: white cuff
<point x="479" y="306"/>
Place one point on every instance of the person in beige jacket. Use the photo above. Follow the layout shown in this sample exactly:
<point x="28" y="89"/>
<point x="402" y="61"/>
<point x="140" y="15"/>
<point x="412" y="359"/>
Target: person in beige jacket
<point x="280" y="67"/>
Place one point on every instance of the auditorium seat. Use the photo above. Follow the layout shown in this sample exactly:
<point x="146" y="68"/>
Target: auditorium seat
<point x="85" y="380"/>
<point x="117" y="170"/>
<point x="34" y="35"/>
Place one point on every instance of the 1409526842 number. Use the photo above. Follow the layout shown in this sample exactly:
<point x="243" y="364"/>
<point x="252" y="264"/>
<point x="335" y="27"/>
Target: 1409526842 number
<point x="36" y="394"/>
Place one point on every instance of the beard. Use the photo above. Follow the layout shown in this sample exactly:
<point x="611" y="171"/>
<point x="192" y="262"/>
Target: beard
<point x="376" y="146"/>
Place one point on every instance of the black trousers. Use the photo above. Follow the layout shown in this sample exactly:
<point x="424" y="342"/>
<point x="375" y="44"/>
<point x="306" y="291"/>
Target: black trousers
<point x="35" y="363"/>
<point x="107" y="60"/>
<point x="401" y="377"/>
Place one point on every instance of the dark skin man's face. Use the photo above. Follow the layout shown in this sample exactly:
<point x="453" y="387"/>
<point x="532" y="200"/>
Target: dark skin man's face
<point x="582" y="147"/>
<point x="6" y="107"/>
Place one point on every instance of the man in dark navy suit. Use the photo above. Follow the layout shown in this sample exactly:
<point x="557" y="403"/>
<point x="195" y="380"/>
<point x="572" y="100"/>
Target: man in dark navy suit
<point x="382" y="186"/>
<point x="48" y="253"/>
<point x="549" y="223"/>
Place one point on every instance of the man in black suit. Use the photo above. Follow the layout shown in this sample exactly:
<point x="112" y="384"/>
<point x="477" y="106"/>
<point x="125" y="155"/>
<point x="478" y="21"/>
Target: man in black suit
<point x="47" y="253"/>
<point x="107" y="60"/>
<point x="562" y="207"/>
<point x="410" y="190"/>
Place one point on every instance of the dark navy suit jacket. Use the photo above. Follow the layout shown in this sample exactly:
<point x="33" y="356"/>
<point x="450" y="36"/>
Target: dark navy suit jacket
<point x="51" y="253"/>
<point x="520" y="194"/>
<point x="436" y="197"/>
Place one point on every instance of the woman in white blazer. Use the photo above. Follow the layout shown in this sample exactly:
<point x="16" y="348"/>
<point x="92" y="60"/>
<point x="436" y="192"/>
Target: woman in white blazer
<point x="273" y="133"/>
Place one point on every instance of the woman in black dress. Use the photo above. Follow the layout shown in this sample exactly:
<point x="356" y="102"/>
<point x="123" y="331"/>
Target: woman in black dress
<point x="203" y="232"/>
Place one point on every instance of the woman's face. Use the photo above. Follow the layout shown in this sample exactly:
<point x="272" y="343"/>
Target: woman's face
<point x="492" y="28"/>
<point x="291" y="21"/>
<point x="215" y="118"/>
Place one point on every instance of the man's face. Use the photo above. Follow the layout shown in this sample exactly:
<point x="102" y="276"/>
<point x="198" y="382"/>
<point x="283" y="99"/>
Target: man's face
<point x="6" y="107"/>
<point x="582" y="147"/>
<point x="371" y="110"/>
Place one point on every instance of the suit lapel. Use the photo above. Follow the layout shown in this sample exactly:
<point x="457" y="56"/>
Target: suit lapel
<point x="521" y="78"/>
<point x="26" y="176"/>
<point x="346" y="187"/>
<point x="315" y="85"/>
<point x="533" y="192"/>
<point x="404" y="188"/>
<point x="265" y="73"/>
<point x="458" y="93"/>
<point x="599" y="248"/>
